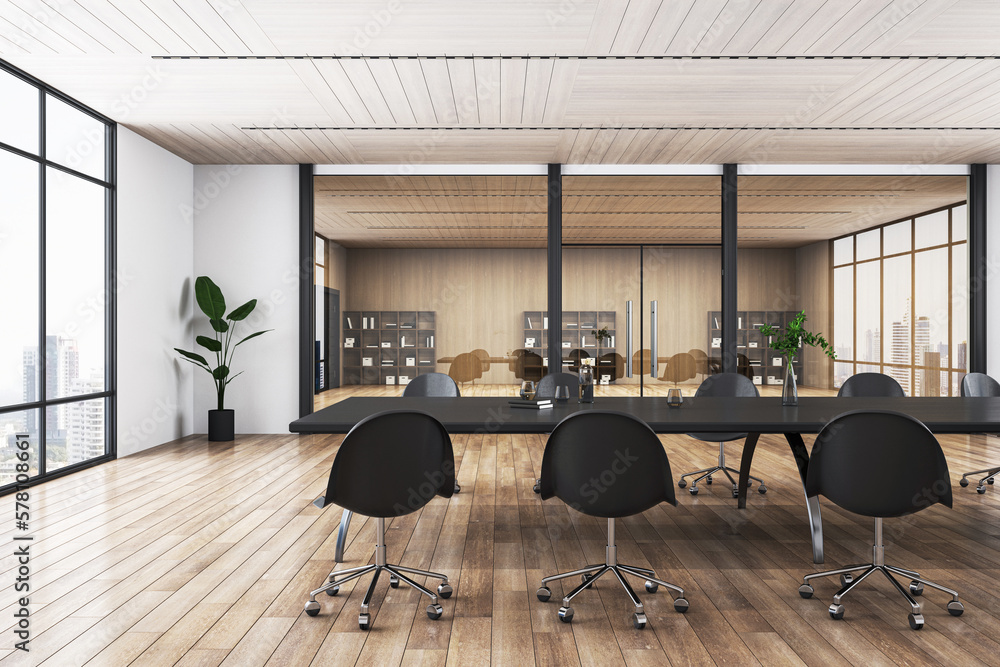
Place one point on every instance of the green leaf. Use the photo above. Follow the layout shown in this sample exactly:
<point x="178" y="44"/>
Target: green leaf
<point x="241" y="312"/>
<point x="209" y="298"/>
<point x="209" y="343"/>
<point x="221" y="326"/>
<point x="253" y="335"/>
<point x="192" y="356"/>
<point x="221" y="372"/>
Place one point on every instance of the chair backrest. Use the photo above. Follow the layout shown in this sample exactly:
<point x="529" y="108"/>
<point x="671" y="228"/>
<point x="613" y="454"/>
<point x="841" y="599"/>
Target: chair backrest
<point x="743" y="366"/>
<point x="640" y="362"/>
<point x="611" y="363"/>
<point x="878" y="463"/>
<point x="391" y="463"/>
<point x="726" y="385"/>
<point x="547" y="385"/>
<point x="574" y="358"/>
<point x="432" y="384"/>
<point x="680" y="367"/>
<point x="606" y="464"/>
<point x="870" y="385"/>
<point x="700" y="360"/>
<point x="531" y="367"/>
<point x="484" y="358"/>
<point x="980" y="384"/>
<point x="465" y="367"/>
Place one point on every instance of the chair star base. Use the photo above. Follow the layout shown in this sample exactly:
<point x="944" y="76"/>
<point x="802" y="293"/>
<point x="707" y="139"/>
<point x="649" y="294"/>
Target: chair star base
<point x="988" y="479"/>
<point x="332" y="587"/>
<point x="592" y="573"/>
<point x="706" y="474"/>
<point x="848" y="582"/>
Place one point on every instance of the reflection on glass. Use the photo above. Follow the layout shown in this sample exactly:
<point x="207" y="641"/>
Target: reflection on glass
<point x="320" y="252"/>
<point x="896" y="238"/>
<point x="869" y="310"/>
<point x="930" y="324"/>
<point x="843" y="312"/>
<point x="959" y="223"/>
<point x="19" y="363"/>
<point x="869" y="245"/>
<point x="18" y="113"/>
<point x="960" y="311"/>
<point x="931" y="230"/>
<point x="83" y="437"/>
<point x="75" y="286"/>
<point x="13" y="427"/>
<point x="897" y="319"/>
<point x="843" y="250"/>
<point x="73" y="138"/>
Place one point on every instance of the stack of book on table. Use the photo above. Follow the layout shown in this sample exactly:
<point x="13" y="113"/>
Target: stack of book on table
<point x="530" y="404"/>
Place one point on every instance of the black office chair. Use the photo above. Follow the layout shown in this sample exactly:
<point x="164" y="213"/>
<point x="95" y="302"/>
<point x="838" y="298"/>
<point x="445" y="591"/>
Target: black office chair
<point x="726" y="385"/>
<point x="409" y="454"/>
<point x="607" y="464"/>
<point x="879" y="464"/>
<point x="547" y="385"/>
<point x="432" y="384"/>
<point x="980" y="384"/>
<point x="870" y="385"/>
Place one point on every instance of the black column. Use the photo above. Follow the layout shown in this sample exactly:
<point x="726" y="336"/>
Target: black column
<point x="307" y="303"/>
<point x="977" y="268"/>
<point x="555" y="267"/>
<point x="729" y="193"/>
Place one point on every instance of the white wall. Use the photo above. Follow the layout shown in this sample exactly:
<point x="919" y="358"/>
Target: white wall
<point x="993" y="264"/>
<point x="155" y="265"/>
<point x="246" y="241"/>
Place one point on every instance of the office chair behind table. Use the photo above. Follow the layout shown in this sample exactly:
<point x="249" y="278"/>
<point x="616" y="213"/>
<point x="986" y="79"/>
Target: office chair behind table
<point x="409" y="454"/>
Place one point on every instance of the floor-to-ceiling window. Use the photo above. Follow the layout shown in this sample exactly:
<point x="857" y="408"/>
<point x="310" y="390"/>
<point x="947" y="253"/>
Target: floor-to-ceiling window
<point x="56" y="272"/>
<point x="900" y="294"/>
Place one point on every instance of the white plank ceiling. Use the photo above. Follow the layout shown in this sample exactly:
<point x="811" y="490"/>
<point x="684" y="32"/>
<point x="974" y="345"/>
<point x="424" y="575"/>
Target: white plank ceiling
<point x="489" y="103"/>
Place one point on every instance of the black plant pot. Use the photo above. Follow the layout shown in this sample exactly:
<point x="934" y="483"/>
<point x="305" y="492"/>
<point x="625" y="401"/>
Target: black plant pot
<point x="221" y="425"/>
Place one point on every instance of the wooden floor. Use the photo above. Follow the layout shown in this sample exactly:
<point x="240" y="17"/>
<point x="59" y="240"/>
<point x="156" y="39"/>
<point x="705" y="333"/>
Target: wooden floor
<point x="197" y="553"/>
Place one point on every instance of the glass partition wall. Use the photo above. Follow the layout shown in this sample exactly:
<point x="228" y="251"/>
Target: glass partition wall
<point x="641" y="257"/>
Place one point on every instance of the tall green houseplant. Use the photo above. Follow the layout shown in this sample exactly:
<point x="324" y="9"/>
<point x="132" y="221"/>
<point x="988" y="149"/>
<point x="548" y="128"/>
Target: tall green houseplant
<point x="787" y="343"/>
<point x="213" y="304"/>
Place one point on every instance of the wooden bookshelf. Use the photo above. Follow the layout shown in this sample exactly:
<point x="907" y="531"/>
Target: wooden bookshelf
<point x="390" y="346"/>
<point x="574" y="329"/>
<point x="755" y="345"/>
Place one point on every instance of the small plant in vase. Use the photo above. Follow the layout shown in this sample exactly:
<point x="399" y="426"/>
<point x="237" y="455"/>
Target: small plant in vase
<point x="603" y="337"/>
<point x="787" y="343"/>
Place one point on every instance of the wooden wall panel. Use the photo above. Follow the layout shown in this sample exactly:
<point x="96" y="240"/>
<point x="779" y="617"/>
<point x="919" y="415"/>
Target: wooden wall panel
<point x="813" y="269"/>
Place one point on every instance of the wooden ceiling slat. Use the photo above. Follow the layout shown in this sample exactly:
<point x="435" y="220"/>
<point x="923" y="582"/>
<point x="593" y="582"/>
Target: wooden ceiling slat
<point x="695" y="26"/>
<point x="438" y="83"/>
<point x="340" y="84"/>
<point x="606" y="21"/>
<point x="538" y="77"/>
<point x="463" y="85"/>
<point x="321" y="91"/>
<point x="512" y="78"/>
<point x="368" y="90"/>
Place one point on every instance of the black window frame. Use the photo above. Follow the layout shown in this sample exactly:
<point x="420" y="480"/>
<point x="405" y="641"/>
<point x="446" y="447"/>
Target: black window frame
<point x="109" y="183"/>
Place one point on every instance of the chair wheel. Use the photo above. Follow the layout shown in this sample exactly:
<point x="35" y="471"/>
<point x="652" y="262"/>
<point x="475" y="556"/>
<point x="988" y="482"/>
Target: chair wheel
<point x="836" y="611"/>
<point x="693" y="490"/>
<point x="955" y="608"/>
<point x="543" y="594"/>
<point x="682" y="483"/>
<point x="806" y="591"/>
<point x="681" y="605"/>
<point x="989" y="481"/>
<point x="916" y="588"/>
<point x="312" y="608"/>
<point x="445" y="590"/>
<point x="458" y="488"/>
<point x="537" y="488"/>
<point x="980" y="489"/>
<point x="761" y="489"/>
<point x="566" y="614"/>
<point x="652" y="586"/>
<point x="963" y="482"/>
<point x="585" y="578"/>
<point x="393" y="582"/>
<point x="434" y="611"/>
<point x="708" y="480"/>
<point x="736" y="493"/>
<point x="364" y="621"/>
<point x="845" y="579"/>
<point x="916" y="621"/>
<point x="333" y="591"/>
<point x="638" y="621"/>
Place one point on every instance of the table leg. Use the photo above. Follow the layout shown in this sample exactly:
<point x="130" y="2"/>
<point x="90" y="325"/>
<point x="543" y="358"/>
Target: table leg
<point x="749" y="446"/>
<point x="798" y="447"/>
<point x="345" y="523"/>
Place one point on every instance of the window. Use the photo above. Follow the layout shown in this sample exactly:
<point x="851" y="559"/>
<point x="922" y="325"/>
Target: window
<point x="901" y="302"/>
<point x="56" y="365"/>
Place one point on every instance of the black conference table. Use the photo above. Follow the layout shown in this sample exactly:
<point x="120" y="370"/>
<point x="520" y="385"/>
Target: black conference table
<point x="696" y="415"/>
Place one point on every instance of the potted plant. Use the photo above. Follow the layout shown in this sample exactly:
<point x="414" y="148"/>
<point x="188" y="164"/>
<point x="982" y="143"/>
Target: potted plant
<point x="221" y="422"/>
<point x="603" y="336"/>
<point x="787" y="343"/>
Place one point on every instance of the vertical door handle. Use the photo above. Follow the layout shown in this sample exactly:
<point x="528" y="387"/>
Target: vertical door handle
<point x="652" y="343"/>
<point x="628" y="339"/>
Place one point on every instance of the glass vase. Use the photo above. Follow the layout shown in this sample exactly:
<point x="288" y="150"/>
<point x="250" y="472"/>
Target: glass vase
<point x="790" y="392"/>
